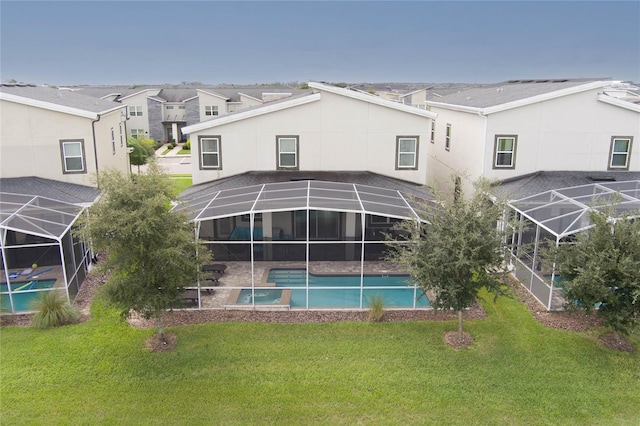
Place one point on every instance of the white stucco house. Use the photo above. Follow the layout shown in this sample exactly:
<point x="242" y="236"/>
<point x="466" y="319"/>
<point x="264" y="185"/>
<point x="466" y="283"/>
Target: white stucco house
<point x="52" y="145"/>
<point x="516" y="128"/>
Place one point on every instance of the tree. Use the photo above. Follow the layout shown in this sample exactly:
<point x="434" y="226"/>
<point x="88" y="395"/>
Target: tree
<point x="602" y="269"/>
<point x="139" y="155"/>
<point x="152" y="251"/>
<point x="457" y="253"/>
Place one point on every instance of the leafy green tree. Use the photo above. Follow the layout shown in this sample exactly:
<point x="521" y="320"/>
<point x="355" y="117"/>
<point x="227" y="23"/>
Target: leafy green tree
<point x="459" y="251"/>
<point x="139" y="155"/>
<point x="152" y="251"/>
<point x="602" y="268"/>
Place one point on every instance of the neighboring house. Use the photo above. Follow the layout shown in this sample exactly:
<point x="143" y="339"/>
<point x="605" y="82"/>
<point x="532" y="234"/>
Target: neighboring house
<point x="416" y="98"/>
<point x="519" y="127"/>
<point x="160" y="113"/>
<point x="53" y="144"/>
<point x="60" y="135"/>
<point x="332" y="129"/>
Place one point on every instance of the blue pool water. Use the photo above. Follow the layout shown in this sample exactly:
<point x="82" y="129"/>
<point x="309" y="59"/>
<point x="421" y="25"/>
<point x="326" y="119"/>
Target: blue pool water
<point x="21" y="294"/>
<point x="262" y="296"/>
<point x="343" y="297"/>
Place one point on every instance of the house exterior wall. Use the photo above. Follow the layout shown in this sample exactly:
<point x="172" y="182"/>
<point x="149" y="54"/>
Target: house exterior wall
<point x="31" y="138"/>
<point x="192" y="111"/>
<point x="573" y="132"/>
<point x="466" y="149"/>
<point x="248" y="102"/>
<point x="154" y="117"/>
<point x="336" y="133"/>
<point x="205" y="99"/>
<point x="138" y="122"/>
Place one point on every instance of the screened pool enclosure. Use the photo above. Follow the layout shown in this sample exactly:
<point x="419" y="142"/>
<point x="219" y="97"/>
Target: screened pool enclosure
<point x="39" y="251"/>
<point x="305" y="225"/>
<point x="554" y="217"/>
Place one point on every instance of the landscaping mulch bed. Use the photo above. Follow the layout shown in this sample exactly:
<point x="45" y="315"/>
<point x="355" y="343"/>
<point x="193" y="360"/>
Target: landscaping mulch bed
<point x="451" y="339"/>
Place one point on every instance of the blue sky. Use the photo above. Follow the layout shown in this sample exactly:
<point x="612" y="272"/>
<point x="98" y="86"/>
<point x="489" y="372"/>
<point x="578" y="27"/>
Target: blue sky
<point x="153" y="42"/>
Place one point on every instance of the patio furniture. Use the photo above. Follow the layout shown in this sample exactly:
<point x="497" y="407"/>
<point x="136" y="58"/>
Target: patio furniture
<point x="215" y="267"/>
<point x="190" y="295"/>
<point x="214" y="276"/>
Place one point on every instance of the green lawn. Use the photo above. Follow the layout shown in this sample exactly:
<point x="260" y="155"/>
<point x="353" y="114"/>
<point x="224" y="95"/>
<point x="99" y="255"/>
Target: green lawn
<point x="517" y="372"/>
<point x="182" y="181"/>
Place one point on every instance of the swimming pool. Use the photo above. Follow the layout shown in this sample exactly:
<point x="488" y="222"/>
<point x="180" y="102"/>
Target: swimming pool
<point x="343" y="291"/>
<point x="23" y="293"/>
<point x="261" y="296"/>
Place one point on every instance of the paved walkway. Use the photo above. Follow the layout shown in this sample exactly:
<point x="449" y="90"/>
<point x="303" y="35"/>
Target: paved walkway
<point x="172" y="162"/>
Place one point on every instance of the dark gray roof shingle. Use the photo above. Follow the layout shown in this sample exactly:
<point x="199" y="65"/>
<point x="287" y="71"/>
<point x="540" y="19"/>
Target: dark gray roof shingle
<point x="62" y="191"/>
<point x="61" y="97"/>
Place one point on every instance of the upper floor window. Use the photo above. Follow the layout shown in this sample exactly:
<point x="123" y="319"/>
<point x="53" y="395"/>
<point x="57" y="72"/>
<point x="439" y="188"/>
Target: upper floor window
<point x="182" y="107"/>
<point x="211" y="110"/>
<point x="620" y="152"/>
<point x="505" y="152"/>
<point x="287" y="147"/>
<point x="121" y="137"/>
<point x="72" y="152"/>
<point x="433" y="131"/>
<point x="447" y="139"/>
<point x="113" y="141"/>
<point x="407" y="152"/>
<point x="135" y="111"/>
<point x="210" y="152"/>
<point x="232" y="108"/>
<point x="169" y="106"/>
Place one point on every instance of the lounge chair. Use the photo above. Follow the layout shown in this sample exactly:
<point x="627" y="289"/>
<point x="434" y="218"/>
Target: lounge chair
<point x="215" y="267"/>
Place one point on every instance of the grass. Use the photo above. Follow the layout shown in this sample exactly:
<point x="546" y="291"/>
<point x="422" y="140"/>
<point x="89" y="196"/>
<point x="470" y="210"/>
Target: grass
<point x="182" y="181"/>
<point x="517" y="372"/>
<point x="166" y="151"/>
<point x="184" y="152"/>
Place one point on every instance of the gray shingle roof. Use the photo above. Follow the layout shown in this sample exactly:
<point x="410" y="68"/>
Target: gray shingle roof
<point x="262" y="177"/>
<point x="176" y="95"/>
<point x="536" y="183"/>
<point x="60" y="97"/>
<point x="509" y="91"/>
<point x="62" y="191"/>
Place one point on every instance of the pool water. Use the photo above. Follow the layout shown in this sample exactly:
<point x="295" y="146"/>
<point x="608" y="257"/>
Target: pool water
<point x="22" y="294"/>
<point x="341" y="296"/>
<point x="261" y="295"/>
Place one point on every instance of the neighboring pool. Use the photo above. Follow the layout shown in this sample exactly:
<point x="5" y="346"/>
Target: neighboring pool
<point x="22" y="293"/>
<point x="401" y="296"/>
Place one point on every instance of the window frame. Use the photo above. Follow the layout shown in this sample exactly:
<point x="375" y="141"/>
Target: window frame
<point x="627" y="153"/>
<point x="296" y="153"/>
<point x="64" y="157"/>
<point x="202" y="153"/>
<point x="433" y="131"/>
<point x="447" y="138"/>
<point x="212" y="109"/>
<point x="139" y="133"/>
<point x="113" y="141"/>
<point x="513" y="152"/>
<point x="415" y="152"/>
<point x="135" y="111"/>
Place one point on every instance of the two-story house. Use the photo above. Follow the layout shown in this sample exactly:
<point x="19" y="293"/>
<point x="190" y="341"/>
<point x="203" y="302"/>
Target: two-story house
<point x="52" y="145"/>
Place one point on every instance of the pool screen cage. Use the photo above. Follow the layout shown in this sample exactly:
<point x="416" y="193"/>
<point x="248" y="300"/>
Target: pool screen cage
<point x="39" y="251"/>
<point x="554" y="217"/>
<point x="301" y="221"/>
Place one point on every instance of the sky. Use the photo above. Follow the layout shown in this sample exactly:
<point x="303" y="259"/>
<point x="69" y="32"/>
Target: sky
<point x="242" y="42"/>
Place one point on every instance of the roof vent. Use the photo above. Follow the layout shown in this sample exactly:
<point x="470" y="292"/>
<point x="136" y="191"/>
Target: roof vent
<point x="603" y="178"/>
<point x="296" y="179"/>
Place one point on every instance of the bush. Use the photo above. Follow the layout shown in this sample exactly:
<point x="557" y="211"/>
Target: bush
<point x="187" y="144"/>
<point x="53" y="310"/>
<point x="149" y="145"/>
<point x="376" y="308"/>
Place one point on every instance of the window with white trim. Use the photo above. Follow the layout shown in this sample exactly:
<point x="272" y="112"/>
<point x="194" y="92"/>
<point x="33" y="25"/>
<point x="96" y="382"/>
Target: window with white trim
<point x="137" y="133"/>
<point x="210" y="152"/>
<point x="169" y="106"/>
<point x="121" y="137"/>
<point x="287" y="147"/>
<point x="447" y="139"/>
<point x="433" y="131"/>
<point x="407" y="152"/>
<point x="211" y="110"/>
<point x="135" y="111"/>
<point x="113" y="141"/>
<point x="504" y="156"/>
<point x="620" y="152"/>
<point x="72" y="152"/>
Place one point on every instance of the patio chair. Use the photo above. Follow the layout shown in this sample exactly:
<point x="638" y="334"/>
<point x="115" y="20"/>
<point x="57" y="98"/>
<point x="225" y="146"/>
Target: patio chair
<point x="215" y="267"/>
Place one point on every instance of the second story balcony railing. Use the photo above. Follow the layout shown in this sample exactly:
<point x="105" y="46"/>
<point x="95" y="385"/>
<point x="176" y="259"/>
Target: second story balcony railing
<point x="175" y="117"/>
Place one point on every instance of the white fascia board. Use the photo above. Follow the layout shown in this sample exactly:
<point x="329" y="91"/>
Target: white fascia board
<point x="249" y="96"/>
<point x="213" y="94"/>
<point x="618" y="102"/>
<point x="110" y="94"/>
<point x="48" y="105"/>
<point x="142" y="91"/>
<point x="522" y="102"/>
<point x="373" y="100"/>
<point x="188" y="99"/>
<point x="243" y="115"/>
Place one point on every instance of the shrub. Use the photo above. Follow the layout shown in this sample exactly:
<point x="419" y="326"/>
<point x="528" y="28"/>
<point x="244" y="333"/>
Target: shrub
<point x="376" y="308"/>
<point x="149" y="145"/>
<point x="53" y="310"/>
<point x="187" y="144"/>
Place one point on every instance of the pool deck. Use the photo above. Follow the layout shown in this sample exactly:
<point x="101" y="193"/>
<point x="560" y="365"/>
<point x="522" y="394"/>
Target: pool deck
<point x="238" y="274"/>
<point x="53" y="272"/>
